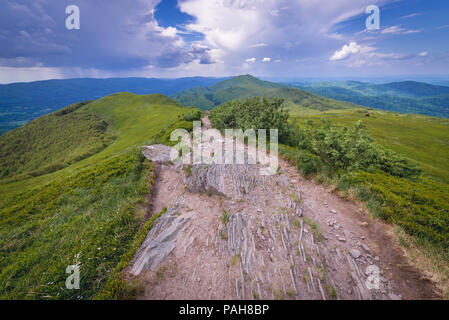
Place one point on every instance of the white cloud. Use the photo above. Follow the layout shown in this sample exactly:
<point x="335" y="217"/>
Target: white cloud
<point x="231" y="31"/>
<point x="423" y="54"/>
<point x="398" y="30"/>
<point x="258" y="45"/>
<point x="225" y="24"/>
<point x="336" y="36"/>
<point x="236" y="28"/>
<point x="346" y="51"/>
<point x="169" y="32"/>
<point x="358" y="55"/>
<point x="266" y="59"/>
<point x="411" y="15"/>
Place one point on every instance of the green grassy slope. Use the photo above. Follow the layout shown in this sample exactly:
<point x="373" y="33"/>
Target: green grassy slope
<point x="422" y="139"/>
<point x="247" y="86"/>
<point x="419" y="206"/>
<point x="87" y="213"/>
<point x="52" y="142"/>
<point x="23" y="102"/>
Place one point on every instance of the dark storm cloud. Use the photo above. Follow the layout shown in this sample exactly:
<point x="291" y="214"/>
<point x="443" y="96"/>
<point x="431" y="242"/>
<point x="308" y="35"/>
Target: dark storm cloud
<point x="114" y="35"/>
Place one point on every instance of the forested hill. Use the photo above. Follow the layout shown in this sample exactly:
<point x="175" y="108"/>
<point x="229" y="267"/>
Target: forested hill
<point x="404" y="97"/>
<point x="247" y="86"/>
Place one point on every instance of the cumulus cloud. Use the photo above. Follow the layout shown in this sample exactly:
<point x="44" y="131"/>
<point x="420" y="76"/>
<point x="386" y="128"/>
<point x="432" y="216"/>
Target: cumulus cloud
<point x="119" y="36"/>
<point x="266" y="59"/>
<point x="304" y="27"/>
<point x="346" y="51"/>
<point x="356" y="55"/>
<point x="169" y="32"/>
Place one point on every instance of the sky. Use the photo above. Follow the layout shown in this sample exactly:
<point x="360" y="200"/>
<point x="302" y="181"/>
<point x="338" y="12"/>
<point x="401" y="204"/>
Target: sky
<point x="217" y="38"/>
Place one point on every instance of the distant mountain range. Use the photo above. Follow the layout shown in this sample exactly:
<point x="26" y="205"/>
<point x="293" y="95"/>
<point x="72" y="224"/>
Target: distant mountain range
<point x="22" y="102"/>
<point x="404" y="97"/>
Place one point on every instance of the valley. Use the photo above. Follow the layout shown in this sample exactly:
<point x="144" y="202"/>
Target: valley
<point x="404" y="97"/>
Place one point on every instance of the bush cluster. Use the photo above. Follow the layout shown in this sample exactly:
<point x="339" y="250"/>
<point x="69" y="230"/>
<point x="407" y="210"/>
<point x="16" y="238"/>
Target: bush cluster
<point x="255" y="113"/>
<point x="332" y="149"/>
<point x="339" y="149"/>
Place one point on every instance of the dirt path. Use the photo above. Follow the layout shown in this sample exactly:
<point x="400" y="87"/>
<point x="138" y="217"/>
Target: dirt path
<point x="230" y="233"/>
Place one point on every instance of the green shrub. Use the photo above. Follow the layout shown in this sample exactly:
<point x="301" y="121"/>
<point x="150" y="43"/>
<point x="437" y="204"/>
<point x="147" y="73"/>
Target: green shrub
<point x="164" y="136"/>
<point x="194" y="115"/>
<point x="254" y="114"/>
<point x="338" y="149"/>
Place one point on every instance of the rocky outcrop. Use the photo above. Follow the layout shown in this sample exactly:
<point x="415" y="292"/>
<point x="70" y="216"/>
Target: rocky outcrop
<point x="234" y="181"/>
<point x="157" y="153"/>
<point x="160" y="241"/>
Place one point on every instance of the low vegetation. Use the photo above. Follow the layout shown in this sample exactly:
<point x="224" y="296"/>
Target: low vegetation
<point x="254" y="114"/>
<point x="88" y="220"/>
<point x="92" y="212"/>
<point x="339" y="149"/>
<point x="424" y="140"/>
<point x="52" y="142"/>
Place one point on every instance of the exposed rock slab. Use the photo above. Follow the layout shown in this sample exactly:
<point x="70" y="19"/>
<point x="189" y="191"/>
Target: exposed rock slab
<point x="233" y="181"/>
<point x="158" y="153"/>
<point x="160" y="241"/>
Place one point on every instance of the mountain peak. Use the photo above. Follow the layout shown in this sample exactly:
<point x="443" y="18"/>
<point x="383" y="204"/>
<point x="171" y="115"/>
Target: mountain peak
<point x="248" y="76"/>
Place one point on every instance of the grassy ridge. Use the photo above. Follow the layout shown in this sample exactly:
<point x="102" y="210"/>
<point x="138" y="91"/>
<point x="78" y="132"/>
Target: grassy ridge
<point x="87" y="213"/>
<point x="27" y="151"/>
<point x="23" y="102"/>
<point x="419" y="207"/>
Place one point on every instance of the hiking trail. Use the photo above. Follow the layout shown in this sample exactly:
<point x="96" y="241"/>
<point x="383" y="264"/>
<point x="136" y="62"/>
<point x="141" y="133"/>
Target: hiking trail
<point x="230" y="233"/>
